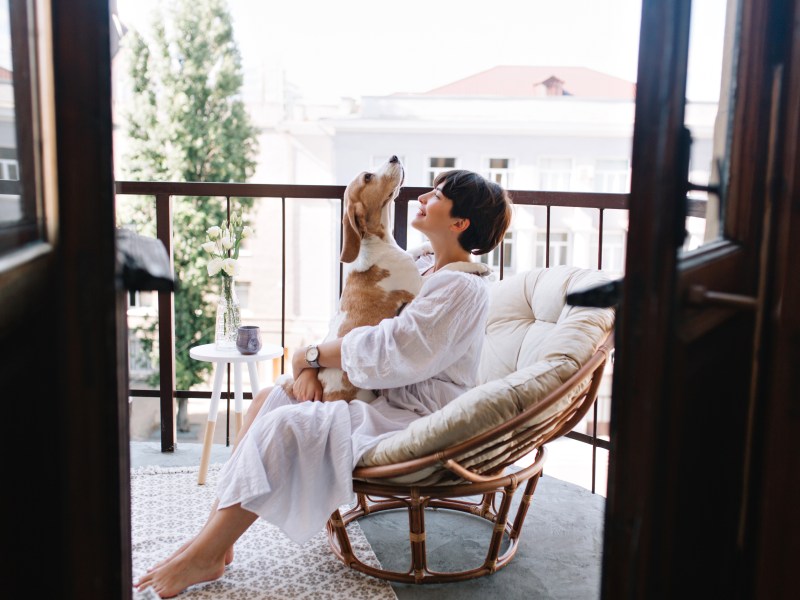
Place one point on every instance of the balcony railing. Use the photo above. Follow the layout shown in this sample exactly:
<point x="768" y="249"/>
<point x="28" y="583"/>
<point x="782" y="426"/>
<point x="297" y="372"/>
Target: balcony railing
<point x="164" y="193"/>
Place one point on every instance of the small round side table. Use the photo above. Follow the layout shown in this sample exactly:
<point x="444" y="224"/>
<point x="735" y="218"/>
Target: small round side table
<point x="221" y="358"/>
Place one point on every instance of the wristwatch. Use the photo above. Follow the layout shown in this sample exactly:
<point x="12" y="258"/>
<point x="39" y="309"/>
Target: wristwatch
<point x="312" y="356"/>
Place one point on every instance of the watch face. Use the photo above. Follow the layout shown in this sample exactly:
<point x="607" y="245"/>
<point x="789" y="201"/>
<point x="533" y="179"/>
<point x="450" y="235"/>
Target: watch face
<point x="312" y="354"/>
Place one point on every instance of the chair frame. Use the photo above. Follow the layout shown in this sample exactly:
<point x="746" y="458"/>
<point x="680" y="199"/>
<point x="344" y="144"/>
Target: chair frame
<point x="485" y="479"/>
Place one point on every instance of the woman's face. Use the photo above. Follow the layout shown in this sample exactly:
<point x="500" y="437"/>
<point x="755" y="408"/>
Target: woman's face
<point x="434" y="212"/>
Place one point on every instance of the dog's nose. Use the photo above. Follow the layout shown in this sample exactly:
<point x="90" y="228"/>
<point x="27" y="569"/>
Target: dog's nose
<point x="394" y="159"/>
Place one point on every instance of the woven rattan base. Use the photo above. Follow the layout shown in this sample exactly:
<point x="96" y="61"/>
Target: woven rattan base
<point x="496" y="496"/>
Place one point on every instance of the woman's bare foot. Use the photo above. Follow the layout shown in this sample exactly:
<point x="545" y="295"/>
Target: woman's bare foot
<point x="228" y="556"/>
<point x="179" y="573"/>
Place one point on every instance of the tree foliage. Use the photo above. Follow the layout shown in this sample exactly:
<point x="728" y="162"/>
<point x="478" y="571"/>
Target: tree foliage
<point x="187" y="122"/>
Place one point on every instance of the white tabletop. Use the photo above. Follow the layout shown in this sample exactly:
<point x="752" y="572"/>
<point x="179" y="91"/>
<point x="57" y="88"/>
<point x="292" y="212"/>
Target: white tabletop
<point x="209" y="353"/>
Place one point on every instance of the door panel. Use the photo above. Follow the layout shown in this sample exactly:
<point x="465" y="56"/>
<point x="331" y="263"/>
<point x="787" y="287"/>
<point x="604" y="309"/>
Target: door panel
<point x="681" y="425"/>
<point x="66" y="513"/>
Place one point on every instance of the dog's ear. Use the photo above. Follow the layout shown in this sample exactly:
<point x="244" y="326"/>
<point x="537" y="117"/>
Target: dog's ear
<point x="353" y="229"/>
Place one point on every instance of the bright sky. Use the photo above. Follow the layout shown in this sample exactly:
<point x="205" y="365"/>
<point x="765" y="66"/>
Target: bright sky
<point x="362" y="47"/>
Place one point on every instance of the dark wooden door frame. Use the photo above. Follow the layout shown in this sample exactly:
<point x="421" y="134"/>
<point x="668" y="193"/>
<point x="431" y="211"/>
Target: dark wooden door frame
<point x="94" y="478"/>
<point x="773" y="533"/>
<point x="641" y="546"/>
<point x="644" y="319"/>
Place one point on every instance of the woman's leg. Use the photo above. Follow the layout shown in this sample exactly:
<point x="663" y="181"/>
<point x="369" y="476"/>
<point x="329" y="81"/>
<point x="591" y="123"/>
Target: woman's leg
<point x="249" y="417"/>
<point x="252" y="412"/>
<point x="204" y="558"/>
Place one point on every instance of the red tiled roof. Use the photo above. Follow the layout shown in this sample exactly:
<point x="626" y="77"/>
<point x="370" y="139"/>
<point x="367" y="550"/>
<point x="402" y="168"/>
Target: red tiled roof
<point x="6" y="75"/>
<point x="522" y="81"/>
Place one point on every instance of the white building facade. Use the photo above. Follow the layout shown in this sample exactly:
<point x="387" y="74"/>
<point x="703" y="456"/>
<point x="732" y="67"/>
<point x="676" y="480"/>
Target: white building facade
<point x="569" y="130"/>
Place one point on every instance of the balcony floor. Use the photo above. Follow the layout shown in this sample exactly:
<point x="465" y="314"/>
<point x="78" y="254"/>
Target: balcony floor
<point x="560" y="551"/>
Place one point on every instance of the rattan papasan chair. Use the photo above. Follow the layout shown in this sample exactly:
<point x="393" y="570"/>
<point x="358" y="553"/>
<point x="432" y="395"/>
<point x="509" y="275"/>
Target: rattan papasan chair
<point x="540" y="370"/>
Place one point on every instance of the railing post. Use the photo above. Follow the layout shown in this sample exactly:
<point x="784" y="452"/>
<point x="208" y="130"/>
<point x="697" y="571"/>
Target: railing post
<point x="283" y="284"/>
<point x="401" y="223"/>
<point x="547" y="241"/>
<point x="166" y="330"/>
<point x="600" y="242"/>
<point x="597" y="400"/>
<point x="228" y="373"/>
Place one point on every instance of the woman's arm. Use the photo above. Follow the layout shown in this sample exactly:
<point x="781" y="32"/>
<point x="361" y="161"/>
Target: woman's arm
<point x="306" y="383"/>
<point x="330" y="355"/>
<point x="432" y="333"/>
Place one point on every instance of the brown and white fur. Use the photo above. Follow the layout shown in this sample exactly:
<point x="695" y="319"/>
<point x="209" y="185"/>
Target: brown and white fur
<point x="379" y="276"/>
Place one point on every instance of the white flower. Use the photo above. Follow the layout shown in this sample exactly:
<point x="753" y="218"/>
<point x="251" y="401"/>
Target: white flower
<point x="213" y="232"/>
<point x="247" y="231"/>
<point x="226" y="241"/>
<point x="230" y="266"/>
<point x="209" y="247"/>
<point x="214" y="266"/>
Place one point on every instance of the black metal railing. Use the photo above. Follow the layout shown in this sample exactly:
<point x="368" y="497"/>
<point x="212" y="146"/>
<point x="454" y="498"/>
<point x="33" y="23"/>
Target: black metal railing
<point x="163" y="192"/>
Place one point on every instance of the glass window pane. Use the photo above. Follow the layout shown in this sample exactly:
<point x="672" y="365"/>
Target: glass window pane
<point x="555" y="174"/>
<point x="439" y="164"/>
<point x="710" y="86"/>
<point x="445" y="163"/>
<point x="11" y="207"/>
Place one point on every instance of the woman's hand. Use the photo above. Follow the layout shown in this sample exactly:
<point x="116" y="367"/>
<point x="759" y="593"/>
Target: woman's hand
<point x="299" y="363"/>
<point x="307" y="386"/>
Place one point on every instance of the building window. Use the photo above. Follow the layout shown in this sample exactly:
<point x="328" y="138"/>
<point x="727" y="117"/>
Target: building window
<point x="438" y="165"/>
<point x="9" y="169"/>
<point x="142" y="299"/>
<point x="613" y="251"/>
<point x="611" y="176"/>
<point x="243" y="293"/>
<point x="555" y="174"/>
<point x="493" y="258"/>
<point x="499" y="170"/>
<point x="559" y="248"/>
<point x="140" y="361"/>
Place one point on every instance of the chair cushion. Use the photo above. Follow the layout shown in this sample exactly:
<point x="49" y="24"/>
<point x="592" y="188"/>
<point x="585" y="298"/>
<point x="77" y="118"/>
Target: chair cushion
<point x="534" y="343"/>
<point x="529" y="321"/>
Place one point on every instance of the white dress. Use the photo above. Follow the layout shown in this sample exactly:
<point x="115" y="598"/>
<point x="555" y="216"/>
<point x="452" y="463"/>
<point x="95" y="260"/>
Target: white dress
<point x="294" y="466"/>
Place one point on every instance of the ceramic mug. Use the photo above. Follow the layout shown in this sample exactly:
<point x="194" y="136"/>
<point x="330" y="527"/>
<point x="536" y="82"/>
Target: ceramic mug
<point x="248" y="339"/>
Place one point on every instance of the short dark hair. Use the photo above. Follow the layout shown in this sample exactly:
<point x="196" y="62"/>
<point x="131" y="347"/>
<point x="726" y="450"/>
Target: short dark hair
<point x="483" y="202"/>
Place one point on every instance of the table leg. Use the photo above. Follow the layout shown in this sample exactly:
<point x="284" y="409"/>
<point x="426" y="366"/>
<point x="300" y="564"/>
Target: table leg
<point x="253" y="371"/>
<point x="239" y="397"/>
<point x="213" y="409"/>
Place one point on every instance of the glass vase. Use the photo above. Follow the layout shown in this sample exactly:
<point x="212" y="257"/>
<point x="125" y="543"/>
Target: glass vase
<point x="229" y="316"/>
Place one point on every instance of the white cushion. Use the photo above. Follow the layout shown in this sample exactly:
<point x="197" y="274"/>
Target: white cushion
<point x="534" y="343"/>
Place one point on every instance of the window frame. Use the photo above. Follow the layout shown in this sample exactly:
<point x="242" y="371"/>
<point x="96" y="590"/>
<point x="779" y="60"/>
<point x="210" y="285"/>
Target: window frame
<point x="544" y="243"/>
<point x="28" y="127"/>
<point x="508" y="172"/>
<point x="540" y="170"/>
<point x="509" y="245"/>
<point x="626" y="188"/>
<point x="430" y="172"/>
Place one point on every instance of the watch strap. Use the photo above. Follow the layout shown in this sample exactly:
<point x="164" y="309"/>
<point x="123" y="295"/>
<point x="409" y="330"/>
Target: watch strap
<point x="314" y="363"/>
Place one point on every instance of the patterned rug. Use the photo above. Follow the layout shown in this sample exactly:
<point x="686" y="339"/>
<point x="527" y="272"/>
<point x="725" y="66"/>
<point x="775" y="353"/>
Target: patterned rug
<point x="168" y="507"/>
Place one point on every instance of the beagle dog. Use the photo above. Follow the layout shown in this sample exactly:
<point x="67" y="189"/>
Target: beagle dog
<point x="380" y="278"/>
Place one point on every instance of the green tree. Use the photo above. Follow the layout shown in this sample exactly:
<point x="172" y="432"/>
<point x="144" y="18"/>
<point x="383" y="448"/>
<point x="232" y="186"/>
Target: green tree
<point x="187" y="122"/>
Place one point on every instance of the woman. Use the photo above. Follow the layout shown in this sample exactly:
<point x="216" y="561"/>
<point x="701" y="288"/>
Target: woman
<point x="293" y="461"/>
